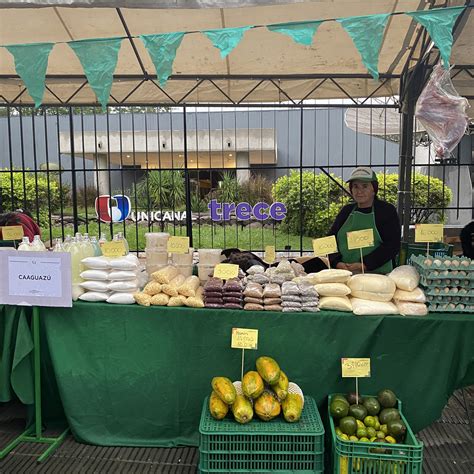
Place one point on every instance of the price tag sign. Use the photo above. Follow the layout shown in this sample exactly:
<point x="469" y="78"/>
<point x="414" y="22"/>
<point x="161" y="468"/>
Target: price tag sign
<point x="360" y="239"/>
<point x="244" y="338"/>
<point x="429" y="233"/>
<point x="226" y="271"/>
<point x="270" y="254"/>
<point x="353" y="367"/>
<point x="325" y="245"/>
<point x="178" y="244"/>
<point x="113" y="249"/>
<point x="12" y="232"/>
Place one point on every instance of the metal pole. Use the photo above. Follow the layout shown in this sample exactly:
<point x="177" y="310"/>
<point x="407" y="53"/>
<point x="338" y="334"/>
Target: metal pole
<point x="187" y="182"/>
<point x="73" y="171"/>
<point x="301" y="181"/>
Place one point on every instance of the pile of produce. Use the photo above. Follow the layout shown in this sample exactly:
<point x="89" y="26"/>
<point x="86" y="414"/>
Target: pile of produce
<point x="370" y="419"/>
<point x="264" y="394"/>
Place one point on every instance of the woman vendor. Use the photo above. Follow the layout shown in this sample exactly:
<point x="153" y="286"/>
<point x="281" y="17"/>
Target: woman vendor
<point x="367" y="212"/>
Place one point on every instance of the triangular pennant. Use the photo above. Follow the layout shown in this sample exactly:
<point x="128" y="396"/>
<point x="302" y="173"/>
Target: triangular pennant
<point x="226" y="39"/>
<point x="301" y="32"/>
<point x="162" y="50"/>
<point x="98" y="58"/>
<point x="31" y="62"/>
<point x="439" y="24"/>
<point x="367" y="35"/>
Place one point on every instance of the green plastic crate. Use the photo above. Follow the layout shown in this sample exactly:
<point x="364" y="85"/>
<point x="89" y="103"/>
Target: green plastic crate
<point x="273" y="446"/>
<point x="409" y="249"/>
<point x="350" y="457"/>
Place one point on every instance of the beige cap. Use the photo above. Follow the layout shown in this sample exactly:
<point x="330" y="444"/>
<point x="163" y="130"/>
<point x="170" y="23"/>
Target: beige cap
<point x="363" y="173"/>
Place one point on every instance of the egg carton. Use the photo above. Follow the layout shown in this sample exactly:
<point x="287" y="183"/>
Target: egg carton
<point x="450" y="308"/>
<point x="448" y="290"/>
<point x="440" y="299"/>
<point x="467" y="283"/>
<point x="423" y="263"/>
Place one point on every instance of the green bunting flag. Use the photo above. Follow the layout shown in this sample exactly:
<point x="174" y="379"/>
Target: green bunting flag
<point x="367" y="35"/>
<point x="162" y="50"/>
<point x="31" y="62"/>
<point x="300" y="32"/>
<point x="439" y="24"/>
<point x="98" y="58"/>
<point x="226" y="39"/>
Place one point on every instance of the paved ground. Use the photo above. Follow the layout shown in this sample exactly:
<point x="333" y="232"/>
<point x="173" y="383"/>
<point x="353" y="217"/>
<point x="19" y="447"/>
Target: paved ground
<point x="449" y="448"/>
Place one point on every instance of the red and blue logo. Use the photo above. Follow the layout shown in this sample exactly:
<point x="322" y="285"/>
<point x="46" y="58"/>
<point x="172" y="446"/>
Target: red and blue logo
<point x="112" y="208"/>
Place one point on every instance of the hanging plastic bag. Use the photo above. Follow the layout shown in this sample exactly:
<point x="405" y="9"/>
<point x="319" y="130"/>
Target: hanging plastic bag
<point x="442" y="112"/>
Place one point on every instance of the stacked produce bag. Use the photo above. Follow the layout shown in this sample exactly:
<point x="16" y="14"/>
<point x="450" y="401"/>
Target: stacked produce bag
<point x="409" y="297"/>
<point x="232" y="294"/>
<point x="113" y="280"/>
<point x="332" y="287"/>
<point x="265" y="393"/>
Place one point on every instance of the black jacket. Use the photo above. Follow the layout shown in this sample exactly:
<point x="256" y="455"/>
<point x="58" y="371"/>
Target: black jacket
<point x="388" y="225"/>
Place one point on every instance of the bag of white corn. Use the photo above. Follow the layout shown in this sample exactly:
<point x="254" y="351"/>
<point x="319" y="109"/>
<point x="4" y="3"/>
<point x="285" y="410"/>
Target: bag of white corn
<point x="255" y="269"/>
<point x="165" y="275"/>
<point x="407" y="308"/>
<point x="122" y="275"/>
<point x="94" y="296"/>
<point x="94" y="275"/>
<point x="331" y="275"/>
<point x="92" y="285"/>
<point x="332" y="289"/>
<point x="405" y="277"/>
<point x="125" y="285"/>
<point x="197" y="300"/>
<point x="152" y="288"/>
<point x="171" y="289"/>
<point x="369" y="286"/>
<point x="415" y="296"/>
<point x="284" y="267"/>
<point x="159" y="300"/>
<point x="96" y="263"/>
<point x="177" y="300"/>
<point x="121" y="298"/>
<point x="189" y="286"/>
<point x="142" y="298"/>
<point x="337" y="303"/>
<point x="363" y="307"/>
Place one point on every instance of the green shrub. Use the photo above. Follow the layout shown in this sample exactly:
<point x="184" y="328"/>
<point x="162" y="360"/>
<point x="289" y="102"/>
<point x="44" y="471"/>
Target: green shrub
<point x="257" y="188"/>
<point x="161" y="190"/>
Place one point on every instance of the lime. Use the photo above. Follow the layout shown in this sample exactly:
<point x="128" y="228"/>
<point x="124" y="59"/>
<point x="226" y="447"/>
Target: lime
<point x="372" y="405"/>
<point x="369" y="421"/>
<point x="348" y="425"/>
<point x="390" y="439"/>
<point x="371" y="432"/>
<point x="361" y="433"/>
<point x="364" y="439"/>
<point x="360" y="424"/>
<point x="338" y="431"/>
<point x="374" y="438"/>
<point x="377" y="425"/>
<point x="344" y="437"/>
<point x="338" y="409"/>
<point x="387" y="398"/>
<point x="384" y="428"/>
<point x="353" y="438"/>
<point x="380" y="435"/>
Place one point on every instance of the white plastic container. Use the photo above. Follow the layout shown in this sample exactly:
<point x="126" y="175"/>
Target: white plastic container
<point x="185" y="270"/>
<point x="154" y="268"/>
<point x="156" y="257"/>
<point x="182" y="258"/>
<point x="205" y="272"/>
<point x="210" y="256"/>
<point x="157" y="240"/>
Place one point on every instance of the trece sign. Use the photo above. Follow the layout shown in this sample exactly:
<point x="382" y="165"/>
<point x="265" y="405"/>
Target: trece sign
<point x="244" y="211"/>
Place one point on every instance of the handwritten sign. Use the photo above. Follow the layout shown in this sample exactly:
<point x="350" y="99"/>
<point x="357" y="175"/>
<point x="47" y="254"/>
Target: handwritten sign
<point x="226" y="271"/>
<point x="429" y="233"/>
<point x="270" y="254"/>
<point x="178" y="244"/>
<point x="355" y="367"/>
<point x="244" y="338"/>
<point x="12" y="232"/>
<point x="360" y="239"/>
<point x="115" y="248"/>
<point x="325" y="245"/>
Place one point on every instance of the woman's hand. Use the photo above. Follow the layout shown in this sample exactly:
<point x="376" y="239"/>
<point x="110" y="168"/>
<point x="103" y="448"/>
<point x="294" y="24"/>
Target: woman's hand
<point x="355" y="267"/>
<point x="342" y="266"/>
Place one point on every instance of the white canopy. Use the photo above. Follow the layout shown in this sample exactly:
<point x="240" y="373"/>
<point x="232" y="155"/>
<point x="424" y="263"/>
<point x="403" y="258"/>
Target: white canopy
<point x="260" y="55"/>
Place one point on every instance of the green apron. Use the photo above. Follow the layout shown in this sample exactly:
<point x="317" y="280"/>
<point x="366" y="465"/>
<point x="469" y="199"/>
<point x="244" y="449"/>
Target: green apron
<point x="359" y="221"/>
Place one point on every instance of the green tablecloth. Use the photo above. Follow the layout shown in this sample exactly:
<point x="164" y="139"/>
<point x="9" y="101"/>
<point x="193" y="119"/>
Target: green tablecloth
<point x="129" y="375"/>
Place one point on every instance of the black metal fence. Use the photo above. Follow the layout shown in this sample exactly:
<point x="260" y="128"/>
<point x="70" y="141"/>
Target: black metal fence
<point x="168" y="163"/>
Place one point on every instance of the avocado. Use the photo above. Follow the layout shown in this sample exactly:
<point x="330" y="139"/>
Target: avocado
<point x="372" y="405"/>
<point x="339" y="409"/>
<point x="387" y="398"/>
<point x="353" y="399"/>
<point x="389" y="414"/>
<point x="397" y="429"/>
<point x="348" y="425"/>
<point x="339" y="396"/>
<point x="358" y="411"/>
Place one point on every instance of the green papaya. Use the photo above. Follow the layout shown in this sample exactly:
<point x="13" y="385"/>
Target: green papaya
<point x="242" y="409"/>
<point x="217" y="407"/>
<point x="252" y="384"/>
<point x="281" y="387"/>
<point x="268" y="369"/>
<point x="266" y="406"/>
<point x="225" y="389"/>
<point x="292" y="407"/>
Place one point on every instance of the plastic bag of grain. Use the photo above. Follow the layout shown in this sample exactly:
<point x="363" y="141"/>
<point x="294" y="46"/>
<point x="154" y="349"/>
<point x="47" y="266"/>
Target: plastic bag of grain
<point x="331" y="275"/>
<point x="369" y="286"/>
<point x="165" y="275"/>
<point x="407" y="308"/>
<point x="332" y="289"/>
<point x="336" y="303"/>
<point x="363" y="307"/>
<point x="405" y="277"/>
<point x="415" y="296"/>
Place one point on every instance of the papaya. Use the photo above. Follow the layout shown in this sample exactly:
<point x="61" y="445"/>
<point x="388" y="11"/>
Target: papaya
<point x="252" y="384"/>
<point x="266" y="406"/>
<point x="225" y="389"/>
<point x="268" y="369"/>
<point x="281" y="387"/>
<point x="292" y="407"/>
<point x="217" y="407"/>
<point x="242" y="409"/>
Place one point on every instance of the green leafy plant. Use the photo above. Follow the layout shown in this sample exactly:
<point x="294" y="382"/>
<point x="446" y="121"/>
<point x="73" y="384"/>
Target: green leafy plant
<point x="161" y="190"/>
<point x="198" y="204"/>
<point x="257" y="188"/>
<point x="229" y="187"/>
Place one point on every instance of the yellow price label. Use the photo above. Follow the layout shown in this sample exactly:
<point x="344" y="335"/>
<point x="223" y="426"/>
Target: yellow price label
<point x="226" y="271"/>
<point x="325" y="245"/>
<point x="178" y="244"/>
<point x="12" y="232"/>
<point x="355" y="367"/>
<point x="429" y="232"/>
<point x="113" y="249"/>
<point x="270" y="254"/>
<point x="244" y="338"/>
<point x="359" y="239"/>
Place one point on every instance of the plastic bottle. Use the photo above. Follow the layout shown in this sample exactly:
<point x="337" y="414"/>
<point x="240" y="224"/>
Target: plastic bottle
<point x="58" y="247"/>
<point x="103" y="238"/>
<point x="37" y="244"/>
<point x="25" y="245"/>
<point x="120" y="237"/>
<point x="96" y="245"/>
<point x="67" y="243"/>
<point x="75" y="251"/>
<point x="87" y="247"/>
